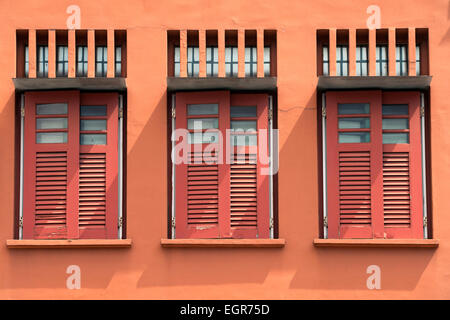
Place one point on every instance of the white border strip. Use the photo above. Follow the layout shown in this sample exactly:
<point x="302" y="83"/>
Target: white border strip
<point x="271" y="159"/>
<point x="324" y="167"/>
<point x="22" y="128"/>
<point x="120" y="174"/>
<point x="424" y="165"/>
<point x="173" y="172"/>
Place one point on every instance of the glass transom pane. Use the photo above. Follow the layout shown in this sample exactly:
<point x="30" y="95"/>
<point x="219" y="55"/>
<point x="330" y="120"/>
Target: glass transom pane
<point x="354" y="123"/>
<point x="395" y="123"/>
<point x="92" y="138"/>
<point x="205" y="123"/>
<point x="244" y="125"/>
<point x="353" y="108"/>
<point x="206" y="137"/>
<point x="244" y="111"/>
<point x="395" y="109"/>
<point x="354" y="137"/>
<point x="393" y="138"/>
<point x="51" y="137"/>
<point x="51" y="108"/>
<point x="51" y="123"/>
<point x="92" y="111"/>
<point x="202" y="109"/>
<point x="91" y="125"/>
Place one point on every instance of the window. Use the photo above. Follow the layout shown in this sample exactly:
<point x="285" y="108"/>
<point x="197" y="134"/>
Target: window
<point x="250" y="62"/>
<point x="82" y="61"/>
<point x="361" y="60"/>
<point x="374" y="165"/>
<point x="381" y="61"/>
<point x="326" y="61"/>
<point x="401" y="62"/>
<point x="62" y="61"/>
<point x="342" y="61"/>
<point x="221" y="194"/>
<point x="70" y="165"/>
<point x="26" y="61"/>
<point x="212" y="61"/>
<point x="101" y="61"/>
<point x="418" y="71"/>
<point x="192" y="61"/>
<point x="231" y="61"/>
<point x="176" y="60"/>
<point x="118" y="62"/>
<point x="42" y="61"/>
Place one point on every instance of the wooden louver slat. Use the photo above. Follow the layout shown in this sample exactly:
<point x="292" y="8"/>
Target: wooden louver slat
<point x="396" y="189"/>
<point x="354" y="188"/>
<point x="92" y="190"/>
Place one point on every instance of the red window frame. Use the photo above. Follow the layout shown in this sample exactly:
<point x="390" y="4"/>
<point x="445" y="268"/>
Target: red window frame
<point x="67" y="205"/>
<point x="375" y="206"/>
<point x="224" y="227"/>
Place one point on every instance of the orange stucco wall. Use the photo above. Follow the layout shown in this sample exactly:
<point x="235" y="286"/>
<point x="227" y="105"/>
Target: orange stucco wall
<point x="297" y="271"/>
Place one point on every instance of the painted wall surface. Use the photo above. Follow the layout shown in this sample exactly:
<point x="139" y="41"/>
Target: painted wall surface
<point x="297" y="271"/>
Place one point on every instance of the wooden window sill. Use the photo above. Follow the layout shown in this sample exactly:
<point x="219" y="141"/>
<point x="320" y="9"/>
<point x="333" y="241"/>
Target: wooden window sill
<point x="377" y="243"/>
<point x="223" y="243"/>
<point x="78" y="243"/>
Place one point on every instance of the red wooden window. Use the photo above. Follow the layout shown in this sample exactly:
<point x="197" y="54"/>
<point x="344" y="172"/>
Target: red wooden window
<point x="374" y="180"/>
<point x="218" y="197"/>
<point x="70" y="165"/>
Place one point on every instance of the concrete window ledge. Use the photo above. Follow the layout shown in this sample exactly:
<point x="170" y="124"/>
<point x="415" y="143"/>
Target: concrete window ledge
<point x="377" y="243"/>
<point x="64" y="244"/>
<point x="223" y="243"/>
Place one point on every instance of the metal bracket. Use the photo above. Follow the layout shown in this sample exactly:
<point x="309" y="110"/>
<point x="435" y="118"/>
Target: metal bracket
<point x="120" y="222"/>
<point x="173" y="222"/>
<point x="120" y="112"/>
<point x="425" y="221"/>
<point x="270" y="114"/>
<point x="173" y="113"/>
<point x="271" y="225"/>
<point x="21" y="222"/>
<point x="325" y="222"/>
<point x="422" y="111"/>
<point x="22" y="112"/>
<point x="324" y="111"/>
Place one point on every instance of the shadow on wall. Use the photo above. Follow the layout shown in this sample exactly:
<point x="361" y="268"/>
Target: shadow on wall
<point x="446" y="38"/>
<point x="205" y="266"/>
<point x="345" y="268"/>
<point x="46" y="268"/>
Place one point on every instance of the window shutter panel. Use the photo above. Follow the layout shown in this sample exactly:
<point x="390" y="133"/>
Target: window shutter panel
<point x="402" y="175"/>
<point x="249" y="179"/>
<point x="51" y="171"/>
<point x="98" y="169"/>
<point x="202" y="189"/>
<point x="354" y="182"/>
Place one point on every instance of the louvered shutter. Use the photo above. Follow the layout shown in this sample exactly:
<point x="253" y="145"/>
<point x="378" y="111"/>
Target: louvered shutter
<point x="51" y="151"/>
<point x="353" y="168"/>
<point x="402" y="169"/>
<point x="374" y="187"/>
<point x="202" y="194"/>
<point x="70" y="184"/>
<point x="215" y="197"/>
<point x="249" y="181"/>
<point x="98" y="166"/>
